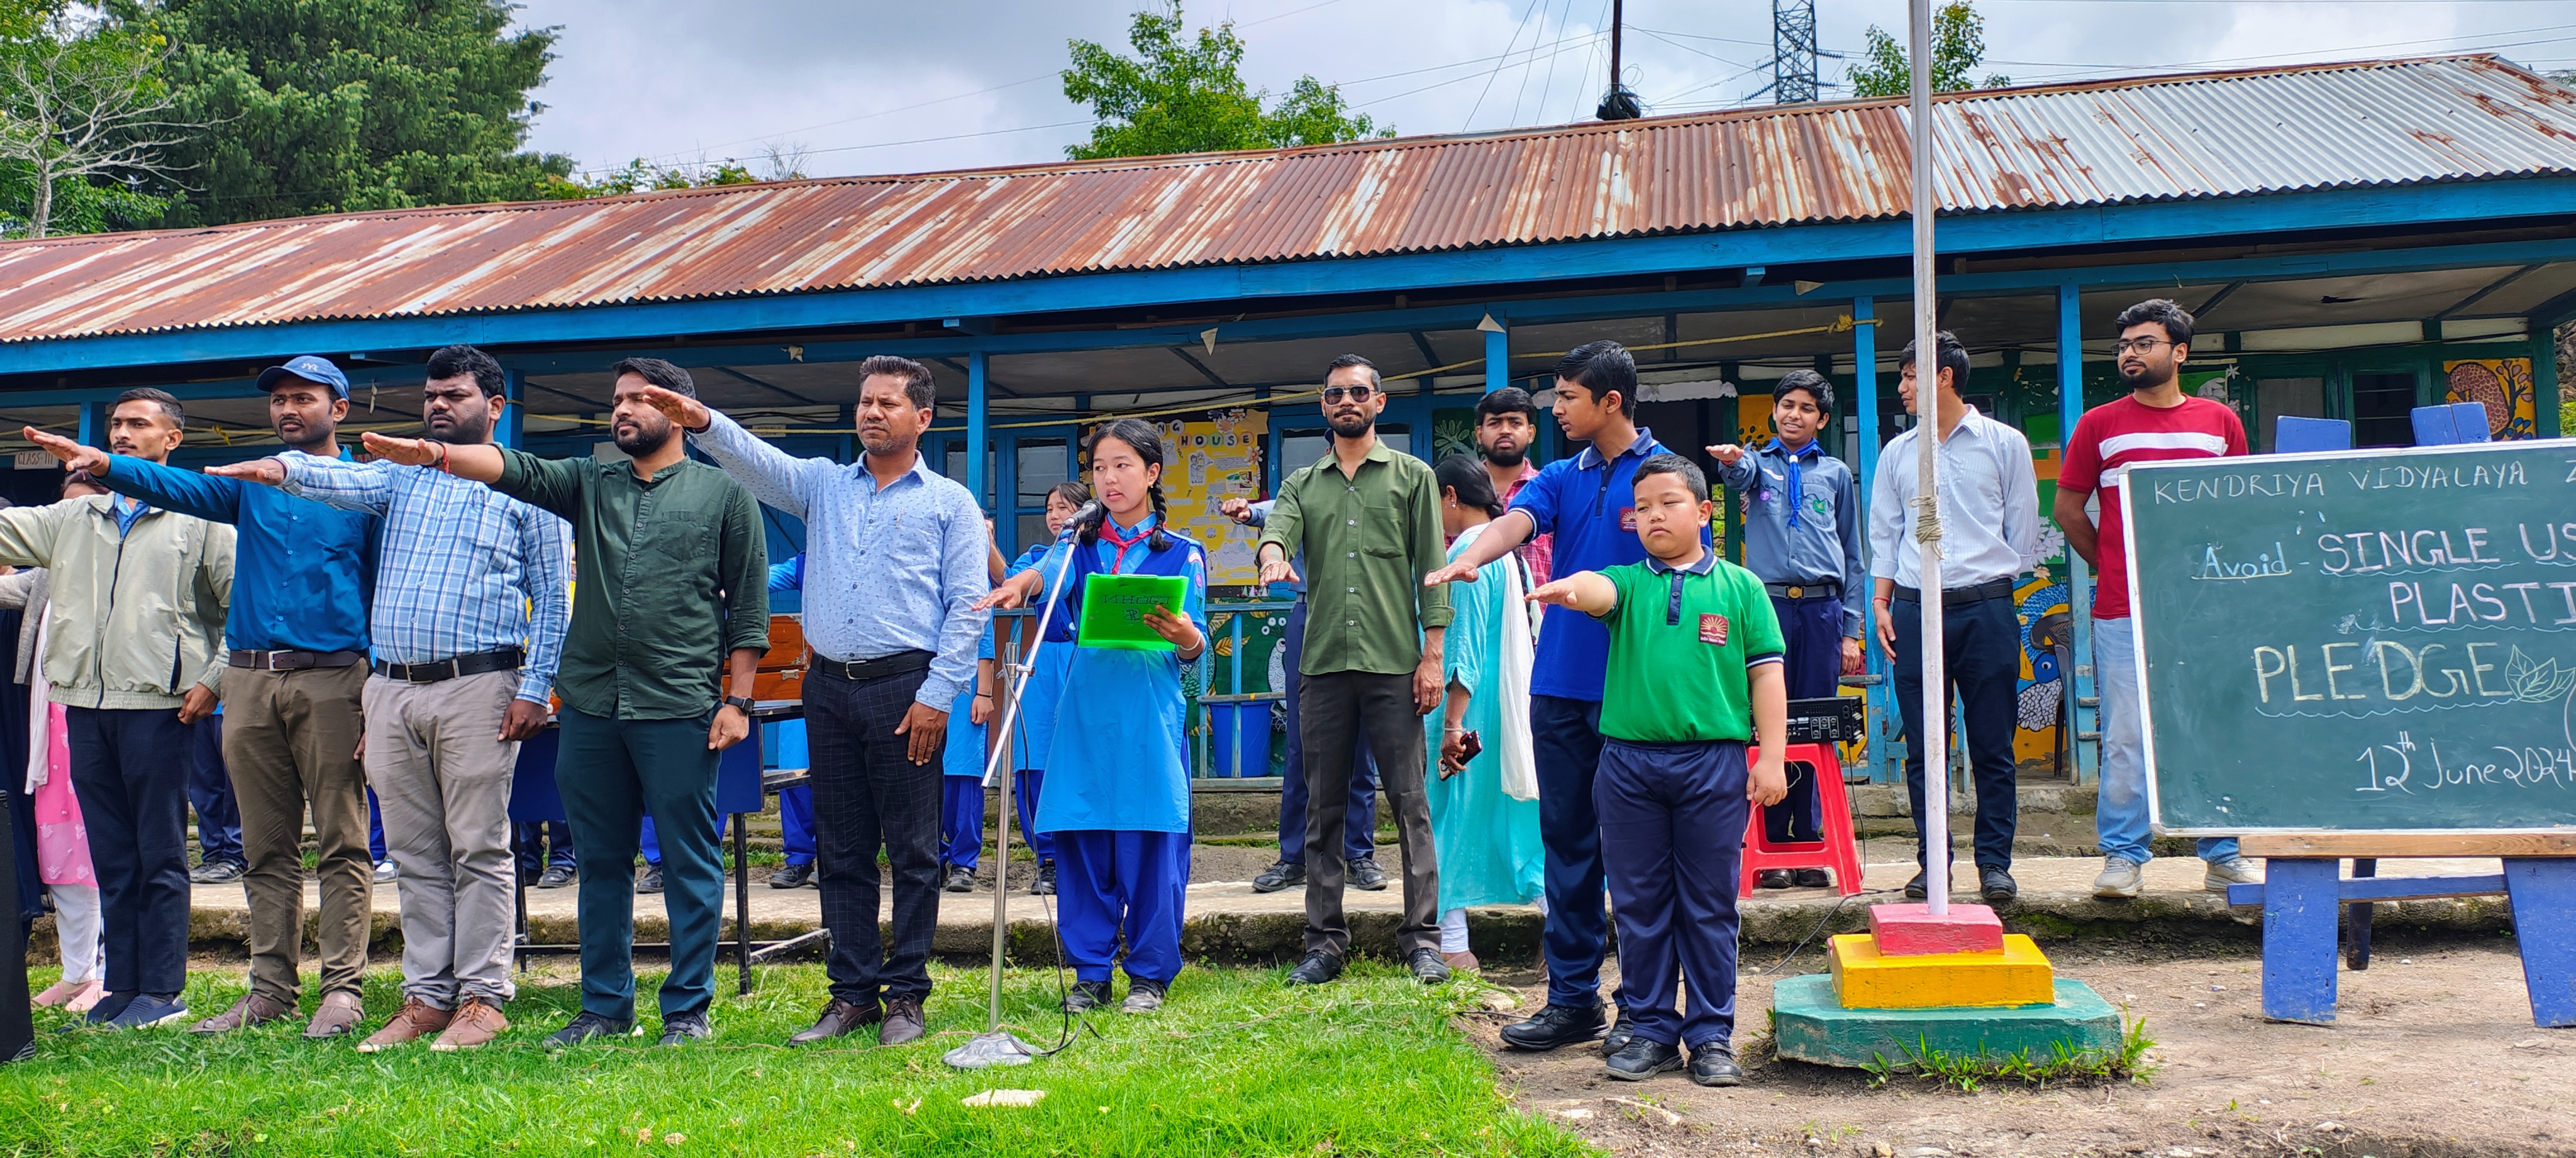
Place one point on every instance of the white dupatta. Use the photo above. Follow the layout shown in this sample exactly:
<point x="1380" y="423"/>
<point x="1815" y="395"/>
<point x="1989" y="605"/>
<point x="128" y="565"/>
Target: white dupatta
<point x="1519" y="651"/>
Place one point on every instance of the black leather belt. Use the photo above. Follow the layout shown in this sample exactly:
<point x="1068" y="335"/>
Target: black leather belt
<point x="859" y="671"/>
<point x="506" y="659"/>
<point x="295" y="660"/>
<point x="1963" y="596"/>
<point x="1804" y="590"/>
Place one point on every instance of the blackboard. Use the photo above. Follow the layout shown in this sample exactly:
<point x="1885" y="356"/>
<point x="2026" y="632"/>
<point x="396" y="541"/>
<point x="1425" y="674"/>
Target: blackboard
<point x="2360" y="640"/>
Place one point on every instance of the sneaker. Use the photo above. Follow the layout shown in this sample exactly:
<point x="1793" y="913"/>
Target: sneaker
<point x="416" y="1019"/>
<point x="1143" y="996"/>
<point x="385" y="872"/>
<point x="1426" y="966"/>
<point x="2122" y="879"/>
<point x="1366" y="875"/>
<point x="1643" y="1058"/>
<point x="1714" y="1064"/>
<point x="586" y="1025"/>
<point x="217" y="872"/>
<point x="254" y="1009"/>
<point x="2235" y="870"/>
<point x="960" y="879"/>
<point x="1045" y="886"/>
<point x="648" y="879"/>
<point x="148" y="1010"/>
<point x="556" y="876"/>
<point x="793" y="876"/>
<point x="109" y="1004"/>
<point x="1086" y="996"/>
<point x="683" y="1028"/>
<point x="476" y="1022"/>
<point x="1280" y="875"/>
<point x="1994" y="884"/>
<point x="1621" y="1030"/>
<point x="1772" y="879"/>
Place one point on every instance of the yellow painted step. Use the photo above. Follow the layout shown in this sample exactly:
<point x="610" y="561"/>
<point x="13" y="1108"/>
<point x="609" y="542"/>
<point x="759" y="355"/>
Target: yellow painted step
<point x="1863" y="979"/>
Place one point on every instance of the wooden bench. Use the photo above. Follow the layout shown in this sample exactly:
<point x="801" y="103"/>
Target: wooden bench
<point x="2303" y="894"/>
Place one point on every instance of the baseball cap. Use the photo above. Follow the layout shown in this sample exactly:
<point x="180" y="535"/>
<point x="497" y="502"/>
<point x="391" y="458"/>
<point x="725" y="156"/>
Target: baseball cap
<point x="309" y="368"/>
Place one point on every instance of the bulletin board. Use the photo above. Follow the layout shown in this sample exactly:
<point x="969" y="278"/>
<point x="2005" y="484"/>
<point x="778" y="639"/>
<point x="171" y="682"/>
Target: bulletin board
<point x="1206" y="460"/>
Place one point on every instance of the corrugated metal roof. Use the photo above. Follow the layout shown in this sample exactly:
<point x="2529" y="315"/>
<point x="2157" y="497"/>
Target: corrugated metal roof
<point x="2202" y="135"/>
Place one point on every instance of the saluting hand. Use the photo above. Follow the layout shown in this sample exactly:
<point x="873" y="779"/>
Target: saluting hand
<point x="1008" y="595"/>
<point x="1559" y="592"/>
<point x="687" y="412"/>
<point x="74" y="455"/>
<point x="267" y="471"/>
<point x="1238" y="509"/>
<point x="1458" y="572"/>
<point x="1726" y="453"/>
<point x="1277" y="571"/>
<point x="407" y="451"/>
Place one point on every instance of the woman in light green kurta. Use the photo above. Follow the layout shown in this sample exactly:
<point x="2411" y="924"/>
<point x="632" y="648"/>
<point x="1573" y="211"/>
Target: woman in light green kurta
<point x="1488" y="840"/>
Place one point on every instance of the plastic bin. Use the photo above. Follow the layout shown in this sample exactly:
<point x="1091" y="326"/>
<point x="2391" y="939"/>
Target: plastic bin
<point x="1239" y="739"/>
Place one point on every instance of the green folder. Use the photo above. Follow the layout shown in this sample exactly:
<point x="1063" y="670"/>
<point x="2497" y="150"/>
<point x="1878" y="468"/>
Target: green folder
<point x="1114" y="607"/>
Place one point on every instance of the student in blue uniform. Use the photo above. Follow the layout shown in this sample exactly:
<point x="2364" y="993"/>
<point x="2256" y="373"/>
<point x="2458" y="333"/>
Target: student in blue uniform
<point x="1036" y="726"/>
<point x="1118" y="791"/>
<point x="795" y="805"/>
<point x="961" y="783"/>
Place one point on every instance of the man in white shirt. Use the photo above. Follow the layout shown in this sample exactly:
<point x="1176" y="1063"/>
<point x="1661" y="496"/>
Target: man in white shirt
<point x="1989" y="536"/>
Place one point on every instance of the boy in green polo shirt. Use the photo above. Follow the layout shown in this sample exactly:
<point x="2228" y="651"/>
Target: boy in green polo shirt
<point x="1694" y="670"/>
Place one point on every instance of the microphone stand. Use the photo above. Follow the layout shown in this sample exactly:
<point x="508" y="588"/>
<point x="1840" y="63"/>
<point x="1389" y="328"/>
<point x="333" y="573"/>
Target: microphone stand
<point x="997" y="1046"/>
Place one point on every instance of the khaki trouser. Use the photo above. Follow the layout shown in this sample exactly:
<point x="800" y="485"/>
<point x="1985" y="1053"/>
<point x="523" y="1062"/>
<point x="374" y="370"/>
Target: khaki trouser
<point x="291" y="742"/>
<point x="443" y="779"/>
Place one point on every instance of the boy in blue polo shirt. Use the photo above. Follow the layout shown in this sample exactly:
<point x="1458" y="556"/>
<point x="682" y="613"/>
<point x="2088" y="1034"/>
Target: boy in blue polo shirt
<point x="1693" y="672"/>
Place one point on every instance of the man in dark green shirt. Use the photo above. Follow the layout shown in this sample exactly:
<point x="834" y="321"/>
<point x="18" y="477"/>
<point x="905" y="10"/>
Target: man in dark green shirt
<point x="674" y="587"/>
<point x="1368" y="519"/>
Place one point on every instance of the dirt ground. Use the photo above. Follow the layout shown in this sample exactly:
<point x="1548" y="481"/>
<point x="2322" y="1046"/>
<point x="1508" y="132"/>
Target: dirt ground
<point x="2434" y="1056"/>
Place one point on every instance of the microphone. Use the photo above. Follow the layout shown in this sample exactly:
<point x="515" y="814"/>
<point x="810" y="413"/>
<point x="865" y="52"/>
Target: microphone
<point x="1085" y="513"/>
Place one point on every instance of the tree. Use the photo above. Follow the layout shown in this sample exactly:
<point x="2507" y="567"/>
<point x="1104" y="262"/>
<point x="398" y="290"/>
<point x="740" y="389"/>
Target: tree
<point x="1958" y="47"/>
<point x="324" y="106"/>
<point x="1184" y="95"/>
<point x="85" y="120"/>
<point x="639" y="175"/>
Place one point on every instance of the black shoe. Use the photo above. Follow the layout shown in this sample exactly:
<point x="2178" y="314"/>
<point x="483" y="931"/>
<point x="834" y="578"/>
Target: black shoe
<point x="904" y="1022"/>
<point x="1554" y="1026"/>
<point x="960" y="879"/>
<point x="649" y="880"/>
<point x="1427" y="967"/>
<point x="682" y="1028"/>
<point x="217" y="872"/>
<point x="1772" y="879"/>
<point x="1144" y="996"/>
<point x="793" y="876"/>
<point x="1714" y="1065"/>
<point x="556" y="876"/>
<point x="839" y="1017"/>
<point x="1641" y="1059"/>
<point x="1915" y="889"/>
<point x="1317" y="969"/>
<point x="1366" y="875"/>
<point x="586" y="1025"/>
<point x="1045" y="886"/>
<point x="1810" y="879"/>
<point x="1995" y="884"/>
<point x="1086" y="996"/>
<point x="1279" y="876"/>
<point x="1620" y="1032"/>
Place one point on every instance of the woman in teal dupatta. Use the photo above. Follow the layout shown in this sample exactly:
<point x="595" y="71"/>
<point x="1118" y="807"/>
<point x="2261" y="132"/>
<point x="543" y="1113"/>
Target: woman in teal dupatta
<point x="1484" y="807"/>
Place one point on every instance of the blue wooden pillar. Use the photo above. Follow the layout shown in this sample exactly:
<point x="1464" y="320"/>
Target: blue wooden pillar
<point x="850" y="439"/>
<point x="2544" y="384"/>
<point x="512" y="430"/>
<point x="1887" y="725"/>
<point x="1498" y="358"/>
<point x="976" y="423"/>
<point x="93" y="423"/>
<point x="2080" y="682"/>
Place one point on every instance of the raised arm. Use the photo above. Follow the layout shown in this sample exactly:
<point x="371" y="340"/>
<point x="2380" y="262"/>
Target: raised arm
<point x="1735" y="465"/>
<point x="213" y="498"/>
<point x="365" y="487"/>
<point x="774" y="476"/>
<point x="545" y="579"/>
<point x="1284" y="527"/>
<point x="27" y="534"/>
<point x="1533" y="513"/>
<point x="1589" y="592"/>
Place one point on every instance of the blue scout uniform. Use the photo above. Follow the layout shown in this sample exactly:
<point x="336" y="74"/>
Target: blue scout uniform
<point x="1802" y="539"/>
<point x="1590" y="506"/>
<point x="1036" y="723"/>
<point x="961" y="781"/>
<point x="1118" y="797"/>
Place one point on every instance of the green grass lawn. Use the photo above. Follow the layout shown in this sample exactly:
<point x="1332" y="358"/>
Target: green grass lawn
<point x="1235" y="1064"/>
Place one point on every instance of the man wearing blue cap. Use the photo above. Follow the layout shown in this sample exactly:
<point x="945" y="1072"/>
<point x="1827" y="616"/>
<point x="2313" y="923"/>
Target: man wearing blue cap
<point x="297" y="628"/>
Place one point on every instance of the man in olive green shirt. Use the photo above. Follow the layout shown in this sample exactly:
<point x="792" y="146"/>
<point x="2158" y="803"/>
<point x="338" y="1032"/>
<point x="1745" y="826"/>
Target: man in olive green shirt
<point x="674" y="586"/>
<point x="1368" y="519"/>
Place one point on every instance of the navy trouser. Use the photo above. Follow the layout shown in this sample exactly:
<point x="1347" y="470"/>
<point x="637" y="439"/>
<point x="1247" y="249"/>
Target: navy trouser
<point x="796" y="824"/>
<point x="539" y="843"/>
<point x="210" y="793"/>
<point x="961" y="822"/>
<point x="1672" y="841"/>
<point x="1113" y="886"/>
<point x="1359" y="823"/>
<point x="609" y="772"/>
<point x="1811" y="632"/>
<point x="1981" y="654"/>
<point x="869" y="795"/>
<point x="133" y="799"/>
<point x="376" y="829"/>
<point x="1567" y="736"/>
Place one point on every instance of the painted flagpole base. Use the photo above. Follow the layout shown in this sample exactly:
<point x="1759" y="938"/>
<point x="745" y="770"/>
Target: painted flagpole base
<point x="1810" y="1025"/>
<point x="1910" y="929"/>
<point x="1865" y="978"/>
<point x="998" y="1048"/>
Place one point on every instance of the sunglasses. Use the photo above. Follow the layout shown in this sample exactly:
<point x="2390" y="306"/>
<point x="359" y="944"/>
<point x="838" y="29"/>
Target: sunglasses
<point x="2141" y="345"/>
<point x="1333" y="394"/>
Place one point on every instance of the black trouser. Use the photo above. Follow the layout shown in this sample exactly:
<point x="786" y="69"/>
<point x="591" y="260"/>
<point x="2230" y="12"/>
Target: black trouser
<point x="1981" y="655"/>
<point x="1359" y="828"/>
<point x="869" y="794"/>
<point x="1331" y="708"/>
<point x="130" y="772"/>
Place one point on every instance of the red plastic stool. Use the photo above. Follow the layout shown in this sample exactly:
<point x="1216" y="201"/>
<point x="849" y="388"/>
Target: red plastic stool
<point x="1838" y="851"/>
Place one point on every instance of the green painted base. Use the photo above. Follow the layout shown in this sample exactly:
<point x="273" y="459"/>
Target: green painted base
<point x="1812" y="1027"/>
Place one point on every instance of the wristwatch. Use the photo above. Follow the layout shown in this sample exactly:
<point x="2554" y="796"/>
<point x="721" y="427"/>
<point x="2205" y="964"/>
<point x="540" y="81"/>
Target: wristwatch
<point x="746" y="703"/>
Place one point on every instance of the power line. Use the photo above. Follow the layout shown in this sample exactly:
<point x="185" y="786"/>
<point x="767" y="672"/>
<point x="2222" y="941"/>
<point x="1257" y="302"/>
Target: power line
<point x="1498" y="69"/>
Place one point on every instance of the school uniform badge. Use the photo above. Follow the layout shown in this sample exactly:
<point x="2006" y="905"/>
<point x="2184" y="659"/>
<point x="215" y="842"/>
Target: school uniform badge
<point x="1712" y="629"/>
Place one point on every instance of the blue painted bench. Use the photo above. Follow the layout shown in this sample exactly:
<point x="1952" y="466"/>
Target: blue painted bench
<point x="2303" y="893"/>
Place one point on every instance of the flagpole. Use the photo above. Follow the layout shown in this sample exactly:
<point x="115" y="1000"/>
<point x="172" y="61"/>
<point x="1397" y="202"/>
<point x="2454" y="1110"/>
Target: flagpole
<point x="1934" y="823"/>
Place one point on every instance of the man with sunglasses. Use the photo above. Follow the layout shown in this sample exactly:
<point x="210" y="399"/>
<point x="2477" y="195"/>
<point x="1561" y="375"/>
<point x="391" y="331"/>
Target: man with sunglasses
<point x="2156" y="422"/>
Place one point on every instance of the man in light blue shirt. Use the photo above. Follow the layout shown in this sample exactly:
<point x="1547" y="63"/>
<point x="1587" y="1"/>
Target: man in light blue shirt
<point x="894" y="562"/>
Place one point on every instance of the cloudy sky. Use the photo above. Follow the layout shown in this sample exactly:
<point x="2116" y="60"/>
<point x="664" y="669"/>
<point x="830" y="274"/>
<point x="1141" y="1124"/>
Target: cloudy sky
<point x="875" y="86"/>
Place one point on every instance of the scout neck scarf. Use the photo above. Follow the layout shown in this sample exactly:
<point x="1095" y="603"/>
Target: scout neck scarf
<point x="1812" y="449"/>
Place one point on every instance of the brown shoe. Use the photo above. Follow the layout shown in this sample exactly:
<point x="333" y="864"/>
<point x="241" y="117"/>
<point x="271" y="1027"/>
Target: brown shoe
<point x="840" y="1017"/>
<point x="338" y="1013"/>
<point x="417" y="1018"/>
<point x="903" y="1021"/>
<point x="253" y="1009"/>
<point x="475" y="1022"/>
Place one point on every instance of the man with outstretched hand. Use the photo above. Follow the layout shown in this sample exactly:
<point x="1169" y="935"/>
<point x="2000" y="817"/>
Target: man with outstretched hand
<point x="467" y="621"/>
<point x="895" y="560"/>
<point x="297" y="632"/>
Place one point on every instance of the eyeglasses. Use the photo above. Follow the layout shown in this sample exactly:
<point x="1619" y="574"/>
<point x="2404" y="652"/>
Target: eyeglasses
<point x="2141" y="345"/>
<point x="1333" y="394"/>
